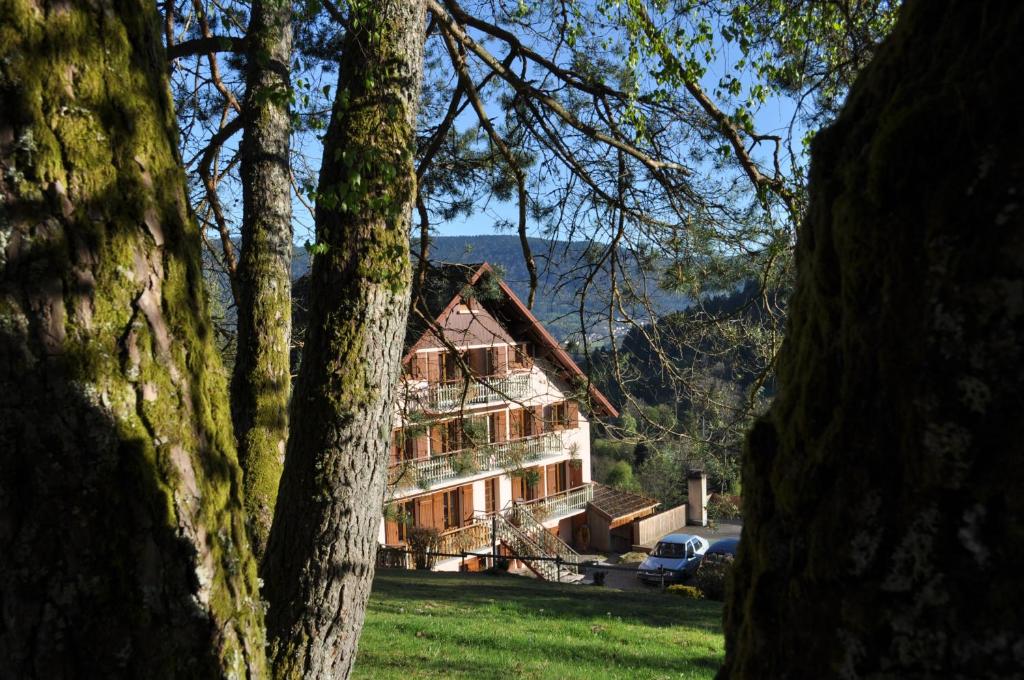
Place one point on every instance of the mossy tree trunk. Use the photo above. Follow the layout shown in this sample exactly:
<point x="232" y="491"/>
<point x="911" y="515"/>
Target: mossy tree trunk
<point x="320" y="557"/>
<point x="883" y="498"/>
<point x="261" y="382"/>
<point x="123" y="550"/>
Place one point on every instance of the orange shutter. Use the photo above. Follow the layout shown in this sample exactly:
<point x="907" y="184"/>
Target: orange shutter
<point x="467" y="504"/>
<point x="439" y="512"/>
<point x="390" y="532"/>
<point x="537" y="426"/>
<point x="433" y="366"/>
<point x="425" y="511"/>
<point x="498" y="426"/>
<point x="421" y="447"/>
<point x="552" y="479"/>
<point x="575" y="473"/>
<point x="515" y="423"/>
<point x="435" y="440"/>
<point x="396" y="446"/>
<point x="517" y="489"/>
<point x="572" y="419"/>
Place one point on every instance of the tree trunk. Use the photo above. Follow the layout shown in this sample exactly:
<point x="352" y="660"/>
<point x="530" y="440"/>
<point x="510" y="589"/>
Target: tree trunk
<point x="123" y="552"/>
<point x="882" y="491"/>
<point x="261" y="382"/>
<point x="319" y="563"/>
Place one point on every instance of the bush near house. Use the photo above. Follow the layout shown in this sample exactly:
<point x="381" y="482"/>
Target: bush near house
<point x="713" y="575"/>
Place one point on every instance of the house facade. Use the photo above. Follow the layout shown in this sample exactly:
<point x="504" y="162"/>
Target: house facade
<point x="491" y="445"/>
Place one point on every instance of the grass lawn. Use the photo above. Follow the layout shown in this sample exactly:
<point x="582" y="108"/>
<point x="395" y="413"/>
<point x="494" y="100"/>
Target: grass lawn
<point x="439" y="625"/>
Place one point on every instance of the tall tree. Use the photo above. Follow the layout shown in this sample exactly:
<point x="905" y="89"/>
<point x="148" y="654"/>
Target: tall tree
<point x="320" y="557"/>
<point x="882" y="490"/>
<point x="123" y="550"/>
<point x="261" y="382"/>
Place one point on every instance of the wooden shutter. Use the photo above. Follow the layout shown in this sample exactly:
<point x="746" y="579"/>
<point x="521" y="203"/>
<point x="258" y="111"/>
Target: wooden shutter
<point x="390" y="532"/>
<point x="515" y="423"/>
<point x="435" y="440"/>
<point x="552" y="479"/>
<point x="537" y="420"/>
<point x="575" y="474"/>
<point x="572" y="414"/>
<point x="518" y="489"/>
<point x="433" y="366"/>
<point x="396" y="446"/>
<point x="425" y="512"/>
<point x="498" y="427"/>
<point x="467" y="504"/>
<point x="420" y="447"/>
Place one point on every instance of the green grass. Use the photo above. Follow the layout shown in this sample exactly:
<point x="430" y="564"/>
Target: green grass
<point x="437" y="625"/>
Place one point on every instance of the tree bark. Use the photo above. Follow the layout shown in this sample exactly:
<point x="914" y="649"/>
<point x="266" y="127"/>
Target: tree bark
<point x="261" y="381"/>
<point x="123" y="552"/>
<point x="882" y="490"/>
<point x="320" y="557"/>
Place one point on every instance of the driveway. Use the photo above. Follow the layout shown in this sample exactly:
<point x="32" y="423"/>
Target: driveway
<point x="725" y="528"/>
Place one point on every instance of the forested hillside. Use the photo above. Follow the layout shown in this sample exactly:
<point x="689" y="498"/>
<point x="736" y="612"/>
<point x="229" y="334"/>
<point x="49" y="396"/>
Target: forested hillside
<point x="560" y="267"/>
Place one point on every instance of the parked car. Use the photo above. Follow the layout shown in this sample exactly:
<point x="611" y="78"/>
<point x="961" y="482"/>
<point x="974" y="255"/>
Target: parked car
<point x="673" y="559"/>
<point x="723" y="549"/>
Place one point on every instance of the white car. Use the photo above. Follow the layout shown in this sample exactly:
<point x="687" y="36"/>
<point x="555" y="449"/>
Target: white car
<point x="675" y="557"/>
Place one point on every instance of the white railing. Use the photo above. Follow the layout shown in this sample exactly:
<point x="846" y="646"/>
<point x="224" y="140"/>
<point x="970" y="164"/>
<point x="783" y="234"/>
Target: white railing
<point x="552" y="545"/>
<point x="561" y="504"/>
<point x="468" y="462"/>
<point x="477" y="391"/>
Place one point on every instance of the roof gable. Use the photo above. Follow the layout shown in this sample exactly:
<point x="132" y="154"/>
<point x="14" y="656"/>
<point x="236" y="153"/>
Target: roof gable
<point x="478" y="283"/>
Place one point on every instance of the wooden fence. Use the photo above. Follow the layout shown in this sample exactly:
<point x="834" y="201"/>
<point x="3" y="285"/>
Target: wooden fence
<point x="650" y="529"/>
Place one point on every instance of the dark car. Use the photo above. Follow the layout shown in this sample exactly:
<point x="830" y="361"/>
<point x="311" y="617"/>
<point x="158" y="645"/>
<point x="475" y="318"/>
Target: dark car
<point x="718" y="549"/>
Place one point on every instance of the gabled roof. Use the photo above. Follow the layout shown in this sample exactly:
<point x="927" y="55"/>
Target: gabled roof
<point x="479" y="281"/>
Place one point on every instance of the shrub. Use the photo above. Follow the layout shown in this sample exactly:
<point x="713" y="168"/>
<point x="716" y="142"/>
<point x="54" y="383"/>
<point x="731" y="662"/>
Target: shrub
<point x="424" y="543"/>
<point x="721" y="506"/>
<point x="688" y="592"/>
<point x="712" y="575"/>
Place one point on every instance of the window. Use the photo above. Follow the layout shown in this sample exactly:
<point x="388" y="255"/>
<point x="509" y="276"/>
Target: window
<point x="560" y="478"/>
<point x="406" y="519"/>
<point x="450" y="503"/>
<point x="491" y="495"/>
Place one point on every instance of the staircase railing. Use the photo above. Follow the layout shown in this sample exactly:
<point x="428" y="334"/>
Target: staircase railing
<point x="521" y="545"/>
<point x="550" y="544"/>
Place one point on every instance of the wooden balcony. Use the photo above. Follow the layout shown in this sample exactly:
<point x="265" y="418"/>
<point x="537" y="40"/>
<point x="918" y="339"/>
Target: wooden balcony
<point x="478" y="391"/>
<point x="562" y="504"/>
<point x="427" y="472"/>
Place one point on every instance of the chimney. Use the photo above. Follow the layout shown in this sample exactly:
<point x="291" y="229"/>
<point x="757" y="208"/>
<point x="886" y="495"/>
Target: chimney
<point x="697" y="504"/>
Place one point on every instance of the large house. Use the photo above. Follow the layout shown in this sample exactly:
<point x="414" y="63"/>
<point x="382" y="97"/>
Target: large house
<point x="492" y="439"/>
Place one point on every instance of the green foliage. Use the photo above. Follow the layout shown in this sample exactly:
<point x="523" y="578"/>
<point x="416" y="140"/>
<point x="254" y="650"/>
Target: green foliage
<point x="713" y="576"/>
<point x="424" y="543"/>
<point x="620" y="475"/>
<point x="721" y="506"/>
<point x="686" y="592"/>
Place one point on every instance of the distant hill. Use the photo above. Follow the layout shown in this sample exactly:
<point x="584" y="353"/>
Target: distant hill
<point x="561" y="268"/>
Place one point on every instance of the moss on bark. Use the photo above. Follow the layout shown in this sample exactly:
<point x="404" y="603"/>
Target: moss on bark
<point x="261" y="383"/>
<point x="319" y="562"/>
<point x="123" y="551"/>
<point x="881" y="491"/>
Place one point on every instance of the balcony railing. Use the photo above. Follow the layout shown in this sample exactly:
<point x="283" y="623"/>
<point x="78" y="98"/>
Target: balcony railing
<point x="468" y="538"/>
<point x="426" y="472"/>
<point x="561" y="504"/>
<point x="478" y="391"/>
